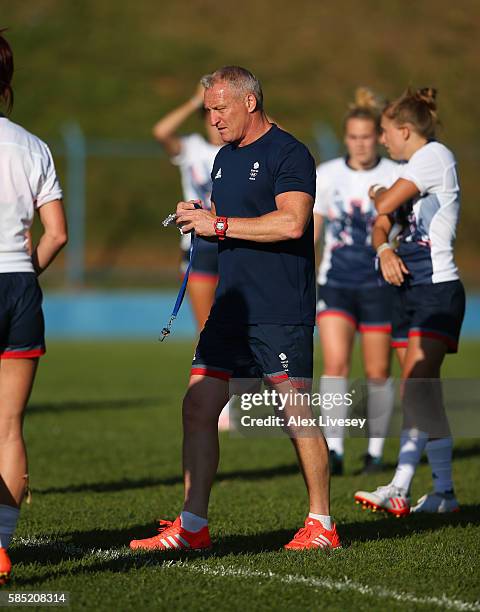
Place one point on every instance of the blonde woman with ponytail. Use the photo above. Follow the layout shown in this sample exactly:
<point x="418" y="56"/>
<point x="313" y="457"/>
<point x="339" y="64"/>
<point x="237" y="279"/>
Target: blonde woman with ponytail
<point x="352" y="295"/>
<point x="429" y="299"/>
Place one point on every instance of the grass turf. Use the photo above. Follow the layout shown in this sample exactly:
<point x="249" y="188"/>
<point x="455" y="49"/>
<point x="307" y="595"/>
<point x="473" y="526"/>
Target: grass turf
<point x="104" y="439"/>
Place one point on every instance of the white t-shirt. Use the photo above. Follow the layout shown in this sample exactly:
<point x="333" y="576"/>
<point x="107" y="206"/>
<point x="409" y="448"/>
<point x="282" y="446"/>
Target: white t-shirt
<point x="27" y="181"/>
<point x="195" y="161"/>
<point x="342" y="199"/>
<point x="430" y="221"/>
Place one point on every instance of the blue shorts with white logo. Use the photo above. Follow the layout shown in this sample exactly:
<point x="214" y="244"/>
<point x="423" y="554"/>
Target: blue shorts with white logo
<point x="430" y="311"/>
<point x="22" y="328"/>
<point x="273" y="352"/>
<point x="205" y="261"/>
<point x="368" y="309"/>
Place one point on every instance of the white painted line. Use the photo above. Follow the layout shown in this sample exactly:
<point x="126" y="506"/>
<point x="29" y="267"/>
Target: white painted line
<point x="223" y="571"/>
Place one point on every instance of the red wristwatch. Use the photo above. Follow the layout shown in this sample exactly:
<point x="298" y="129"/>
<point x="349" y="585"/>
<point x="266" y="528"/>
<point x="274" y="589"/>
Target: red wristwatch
<point x="221" y="225"/>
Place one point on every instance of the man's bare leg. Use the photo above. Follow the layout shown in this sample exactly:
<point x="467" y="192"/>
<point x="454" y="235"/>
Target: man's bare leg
<point x="312" y="453"/>
<point x="202" y="405"/>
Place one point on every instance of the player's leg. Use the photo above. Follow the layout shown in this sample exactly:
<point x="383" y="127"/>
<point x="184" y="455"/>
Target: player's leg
<point x="375" y="311"/>
<point x="202" y="405"/>
<point x="284" y="354"/>
<point x="201" y="291"/>
<point x="207" y="393"/>
<point x="376" y="353"/>
<point x="22" y="337"/>
<point x="434" y="332"/>
<point x="16" y="379"/>
<point x="389" y="498"/>
<point x="336" y="326"/>
<point x="311" y="448"/>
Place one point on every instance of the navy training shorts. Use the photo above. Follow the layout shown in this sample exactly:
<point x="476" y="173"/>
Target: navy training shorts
<point x="432" y="311"/>
<point x="272" y="352"/>
<point x="368" y="309"/>
<point x="22" y="327"/>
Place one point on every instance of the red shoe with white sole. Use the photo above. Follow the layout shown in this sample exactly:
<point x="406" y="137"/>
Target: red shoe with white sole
<point x="172" y="536"/>
<point x="314" y="535"/>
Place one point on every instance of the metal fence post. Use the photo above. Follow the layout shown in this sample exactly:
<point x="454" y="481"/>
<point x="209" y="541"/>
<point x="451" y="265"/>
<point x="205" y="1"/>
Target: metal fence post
<point x="75" y="153"/>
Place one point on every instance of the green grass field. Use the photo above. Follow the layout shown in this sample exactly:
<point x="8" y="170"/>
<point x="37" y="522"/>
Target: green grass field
<point x="104" y="438"/>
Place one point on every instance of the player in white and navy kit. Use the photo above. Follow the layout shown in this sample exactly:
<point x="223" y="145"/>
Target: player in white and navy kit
<point x="194" y="155"/>
<point x="28" y="185"/>
<point x="352" y="296"/>
<point x="429" y="299"/>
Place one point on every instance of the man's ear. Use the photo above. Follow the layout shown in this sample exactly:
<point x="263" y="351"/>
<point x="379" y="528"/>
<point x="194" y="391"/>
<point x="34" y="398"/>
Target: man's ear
<point x="251" y="103"/>
<point x="406" y="132"/>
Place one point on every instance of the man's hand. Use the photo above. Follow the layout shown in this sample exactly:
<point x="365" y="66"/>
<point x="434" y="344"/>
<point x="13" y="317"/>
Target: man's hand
<point x="393" y="268"/>
<point x="199" y="220"/>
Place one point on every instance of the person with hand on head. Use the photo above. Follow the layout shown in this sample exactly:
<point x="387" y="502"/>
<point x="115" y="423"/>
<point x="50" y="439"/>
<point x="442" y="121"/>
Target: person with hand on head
<point x="28" y="185"/>
<point x="352" y="295"/>
<point x="261" y="324"/>
<point x="429" y="299"/>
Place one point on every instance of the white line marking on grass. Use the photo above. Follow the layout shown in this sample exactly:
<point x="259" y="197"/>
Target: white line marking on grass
<point x="224" y="571"/>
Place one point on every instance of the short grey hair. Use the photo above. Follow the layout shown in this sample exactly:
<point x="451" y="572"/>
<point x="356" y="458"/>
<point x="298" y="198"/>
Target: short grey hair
<point x="241" y="80"/>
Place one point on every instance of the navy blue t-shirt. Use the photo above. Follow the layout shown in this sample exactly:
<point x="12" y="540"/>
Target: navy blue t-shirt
<point x="269" y="282"/>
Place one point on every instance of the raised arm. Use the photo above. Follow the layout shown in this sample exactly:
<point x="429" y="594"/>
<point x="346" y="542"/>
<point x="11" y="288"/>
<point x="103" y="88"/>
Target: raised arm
<point x="165" y="129"/>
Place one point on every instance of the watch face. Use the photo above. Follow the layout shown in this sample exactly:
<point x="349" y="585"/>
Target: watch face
<point x="220" y="225"/>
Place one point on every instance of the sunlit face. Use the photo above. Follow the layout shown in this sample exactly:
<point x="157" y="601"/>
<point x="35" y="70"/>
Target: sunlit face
<point x="394" y="138"/>
<point x="213" y="134"/>
<point x="228" y="112"/>
<point x="361" y="141"/>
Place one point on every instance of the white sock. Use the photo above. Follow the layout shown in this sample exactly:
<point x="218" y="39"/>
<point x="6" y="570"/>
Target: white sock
<point x="323" y="518"/>
<point x="381" y="398"/>
<point x="8" y="522"/>
<point x="439" y="453"/>
<point x="330" y="385"/>
<point x="192" y="522"/>
<point x="412" y="443"/>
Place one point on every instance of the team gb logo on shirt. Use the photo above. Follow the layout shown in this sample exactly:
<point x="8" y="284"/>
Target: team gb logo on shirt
<point x="254" y="170"/>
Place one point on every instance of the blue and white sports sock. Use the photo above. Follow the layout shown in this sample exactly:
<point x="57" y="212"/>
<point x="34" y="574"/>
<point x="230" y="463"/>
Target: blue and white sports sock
<point x="439" y="453"/>
<point x="8" y="522"/>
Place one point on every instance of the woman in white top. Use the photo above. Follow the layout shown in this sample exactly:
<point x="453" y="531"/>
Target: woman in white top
<point x="429" y="299"/>
<point x="28" y="184"/>
<point x="352" y="295"/>
<point x="194" y="155"/>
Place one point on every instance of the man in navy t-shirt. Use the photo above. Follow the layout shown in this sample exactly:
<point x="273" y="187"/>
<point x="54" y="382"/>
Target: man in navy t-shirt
<point x="261" y="324"/>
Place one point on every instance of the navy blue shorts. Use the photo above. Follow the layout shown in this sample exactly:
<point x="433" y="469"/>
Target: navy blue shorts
<point x="22" y="328"/>
<point x="275" y="353"/>
<point x="432" y="311"/>
<point x="205" y="261"/>
<point x="369" y="310"/>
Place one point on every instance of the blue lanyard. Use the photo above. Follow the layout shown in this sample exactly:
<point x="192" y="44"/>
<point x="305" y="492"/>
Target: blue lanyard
<point x="181" y="294"/>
